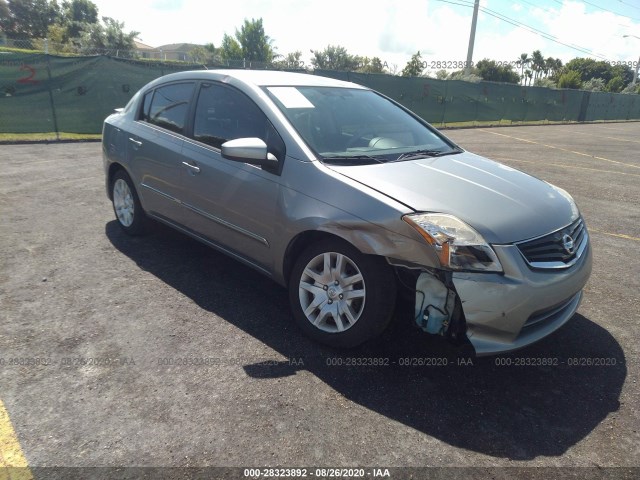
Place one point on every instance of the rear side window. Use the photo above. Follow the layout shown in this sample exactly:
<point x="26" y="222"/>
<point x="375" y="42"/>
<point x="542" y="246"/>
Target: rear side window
<point x="223" y="113"/>
<point x="167" y="106"/>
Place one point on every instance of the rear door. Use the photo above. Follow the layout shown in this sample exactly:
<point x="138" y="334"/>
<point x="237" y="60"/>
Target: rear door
<point x="231" y="203"/>
<point x="155" y="148"/>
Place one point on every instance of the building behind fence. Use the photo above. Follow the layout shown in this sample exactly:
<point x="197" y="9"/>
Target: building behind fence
<point x="48" y="93"/>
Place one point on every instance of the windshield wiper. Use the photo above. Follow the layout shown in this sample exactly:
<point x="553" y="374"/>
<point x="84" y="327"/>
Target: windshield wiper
<point x="416" y="154"/>
<point x="351" y="159"/>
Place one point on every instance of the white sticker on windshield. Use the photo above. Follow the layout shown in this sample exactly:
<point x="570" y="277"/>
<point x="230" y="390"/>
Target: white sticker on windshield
<point x="291" y="97"/>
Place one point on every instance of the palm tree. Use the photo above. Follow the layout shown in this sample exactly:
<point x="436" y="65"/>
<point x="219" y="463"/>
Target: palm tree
<point x="556" y="67"/>
<point x="528" y="74"/>
<point x="548" y="66"/>
<point x="537" y="63"/>
<point x="523" y="61"/>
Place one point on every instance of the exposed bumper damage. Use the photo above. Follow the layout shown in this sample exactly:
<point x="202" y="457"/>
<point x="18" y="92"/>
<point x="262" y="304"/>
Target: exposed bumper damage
<point x="499" y="313"/>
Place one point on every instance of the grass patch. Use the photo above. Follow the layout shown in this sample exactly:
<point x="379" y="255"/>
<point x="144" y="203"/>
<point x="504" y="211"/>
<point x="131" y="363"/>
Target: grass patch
<point x="503" y="123"/>
<point x="48" y="137"/>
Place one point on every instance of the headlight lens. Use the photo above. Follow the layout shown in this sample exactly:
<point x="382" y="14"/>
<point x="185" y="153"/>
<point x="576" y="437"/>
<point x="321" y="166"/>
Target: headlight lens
<point x="459" y="247"/>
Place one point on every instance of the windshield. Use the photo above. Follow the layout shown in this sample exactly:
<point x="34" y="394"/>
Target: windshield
<point x="354" y="126"/>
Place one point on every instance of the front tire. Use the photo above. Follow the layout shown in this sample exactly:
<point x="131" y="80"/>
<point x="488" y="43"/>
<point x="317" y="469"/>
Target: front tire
<point x="339" y="296"/>
<point x="126" y="205"/>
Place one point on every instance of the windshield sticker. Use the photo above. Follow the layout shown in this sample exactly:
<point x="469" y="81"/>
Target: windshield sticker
<point x="291" y="97"/>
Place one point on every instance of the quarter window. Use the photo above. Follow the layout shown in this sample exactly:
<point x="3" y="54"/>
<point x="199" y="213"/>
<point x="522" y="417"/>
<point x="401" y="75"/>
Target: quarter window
<point x="168" y="107"/>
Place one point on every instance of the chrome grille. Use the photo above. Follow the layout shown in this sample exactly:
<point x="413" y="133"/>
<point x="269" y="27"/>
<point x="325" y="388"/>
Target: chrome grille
<point x="552" y="250"/>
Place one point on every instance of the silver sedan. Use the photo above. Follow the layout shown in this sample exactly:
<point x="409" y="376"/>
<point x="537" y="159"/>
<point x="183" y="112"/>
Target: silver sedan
<point x="346" y="197"/>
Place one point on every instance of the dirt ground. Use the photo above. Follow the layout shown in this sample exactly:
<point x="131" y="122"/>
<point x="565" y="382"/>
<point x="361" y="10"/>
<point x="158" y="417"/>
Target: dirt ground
<point x="160" y="352"/>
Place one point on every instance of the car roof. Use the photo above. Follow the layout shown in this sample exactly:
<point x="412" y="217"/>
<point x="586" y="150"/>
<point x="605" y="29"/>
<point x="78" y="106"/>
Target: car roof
<point x="262" y="78"/>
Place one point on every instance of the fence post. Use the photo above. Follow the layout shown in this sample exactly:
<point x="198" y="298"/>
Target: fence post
<point x="584" y="106"/>
<point x="51" y="102"/>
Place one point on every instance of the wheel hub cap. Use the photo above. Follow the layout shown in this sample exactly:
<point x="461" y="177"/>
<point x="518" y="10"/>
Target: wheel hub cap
<point x="332" y="292"/>
<point x="123" y="202"/>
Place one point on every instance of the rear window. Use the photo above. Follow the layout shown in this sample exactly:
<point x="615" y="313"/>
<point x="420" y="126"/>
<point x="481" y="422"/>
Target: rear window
<point x="167" y="106"/>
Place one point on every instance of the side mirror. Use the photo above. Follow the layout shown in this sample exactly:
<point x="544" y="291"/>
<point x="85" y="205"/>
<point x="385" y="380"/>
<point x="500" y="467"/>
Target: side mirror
<point x="249" y="150"/>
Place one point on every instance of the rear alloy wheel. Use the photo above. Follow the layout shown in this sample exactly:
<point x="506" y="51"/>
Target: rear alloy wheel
<point x="339" y="296"/>
<point x="126" y="204"/>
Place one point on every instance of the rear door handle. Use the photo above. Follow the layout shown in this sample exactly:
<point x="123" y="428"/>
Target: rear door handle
<point x="137" y="143"/>
<point x="193" y="168"/>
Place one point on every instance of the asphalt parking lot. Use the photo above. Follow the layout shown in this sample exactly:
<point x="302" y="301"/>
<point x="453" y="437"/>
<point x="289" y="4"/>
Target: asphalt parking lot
<point x="158" y="351"/>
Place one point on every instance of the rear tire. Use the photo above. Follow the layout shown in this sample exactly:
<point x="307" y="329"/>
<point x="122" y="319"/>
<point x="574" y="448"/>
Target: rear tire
<point x="126" y="205"/>
<point x="339" y="296"/>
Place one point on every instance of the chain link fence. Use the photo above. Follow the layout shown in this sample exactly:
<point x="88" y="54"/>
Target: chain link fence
<point x="188" y="54"/>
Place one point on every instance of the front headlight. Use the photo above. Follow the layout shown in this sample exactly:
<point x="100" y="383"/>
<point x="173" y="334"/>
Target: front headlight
<point x="459" y="247"/>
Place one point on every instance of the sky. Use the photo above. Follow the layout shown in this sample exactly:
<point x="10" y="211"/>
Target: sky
<point x="393" y="30"/>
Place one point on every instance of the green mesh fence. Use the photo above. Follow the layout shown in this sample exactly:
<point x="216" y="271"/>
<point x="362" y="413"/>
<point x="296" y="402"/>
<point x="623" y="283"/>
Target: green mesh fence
<point x="450" y="101"/>
<point x="45" y="93"/>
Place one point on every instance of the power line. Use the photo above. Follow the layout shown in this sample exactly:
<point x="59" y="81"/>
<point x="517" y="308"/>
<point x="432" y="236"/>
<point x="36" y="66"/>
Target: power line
<point x="604" y="9"/>
<point x="454" y="3"/>
<point x="628" y="4"/>
<point x="545" y="35"/>
<point x="531" y="29"/>
<point x="547" y="9"/>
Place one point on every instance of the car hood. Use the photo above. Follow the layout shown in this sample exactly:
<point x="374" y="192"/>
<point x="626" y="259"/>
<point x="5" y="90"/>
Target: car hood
<point x="504" y="204"/>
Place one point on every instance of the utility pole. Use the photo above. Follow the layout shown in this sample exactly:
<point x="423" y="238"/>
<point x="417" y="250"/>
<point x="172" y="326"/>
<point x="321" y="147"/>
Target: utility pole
<point x="472" y="37"/>
<point x="635" y="70"/>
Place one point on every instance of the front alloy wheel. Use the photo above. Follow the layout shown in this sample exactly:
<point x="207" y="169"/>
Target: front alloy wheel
<point x="339" y="296"/>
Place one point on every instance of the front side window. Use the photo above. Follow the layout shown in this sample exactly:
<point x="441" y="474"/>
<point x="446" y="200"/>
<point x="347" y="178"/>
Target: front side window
<point x="223" y="113"/>
<point x="356" y="125"/>
<point x="167" y="106"/>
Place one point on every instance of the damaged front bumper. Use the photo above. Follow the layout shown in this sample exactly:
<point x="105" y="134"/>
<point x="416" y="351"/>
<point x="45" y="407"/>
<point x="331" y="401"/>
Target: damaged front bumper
<point x="503" y="312"/>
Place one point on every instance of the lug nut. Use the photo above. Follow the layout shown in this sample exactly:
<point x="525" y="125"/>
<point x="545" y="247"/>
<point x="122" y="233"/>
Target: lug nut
<point x="330" y="302"/>
<point x="336" y="282"/>
<point x="341" y="296"/>
<point x="325" y="288"/>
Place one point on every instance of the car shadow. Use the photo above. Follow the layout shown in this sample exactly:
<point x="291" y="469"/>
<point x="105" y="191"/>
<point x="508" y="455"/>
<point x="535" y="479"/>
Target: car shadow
<point x="500" y="406"/>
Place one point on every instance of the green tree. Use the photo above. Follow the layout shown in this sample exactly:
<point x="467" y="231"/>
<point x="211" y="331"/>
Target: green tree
<point x="545" y="82"/>
<point x="537" y="63"/>
<point x="523" y="61"/>
<point x="631" y="89"/>
<point x="206" y="54"/>
<point x="370" y="65"/>
<point x="528" y="76"/>
<point x="230" y="48"/>
<point x="59" y="41"/>
<point x="442" y="74"/>
<point x="76" y="15"/>
<point x="555" y="67"/>
<point x="589" y="68"/>
<point x="29" y="19"/>
<point x="334" y="57"/>
<point x="625" y="72"/>
<point x="570" y="79"/>
<point x="255" y="44"/>
<point x="291" y="61"/>
<point x="109" y="35"/>
<point x="4" y="16"/>
<point x="414" y="67"/>
<point x="490" y="70"/>
<point x="594" y="85"/>
<point x="615" y="85"/>
<point x="471" y="76"/>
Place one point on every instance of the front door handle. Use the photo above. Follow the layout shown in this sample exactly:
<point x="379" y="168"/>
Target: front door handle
<point x="193" y="168"/>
